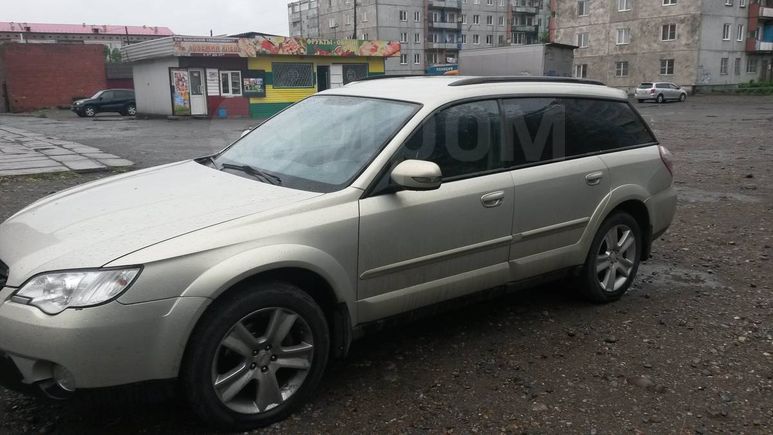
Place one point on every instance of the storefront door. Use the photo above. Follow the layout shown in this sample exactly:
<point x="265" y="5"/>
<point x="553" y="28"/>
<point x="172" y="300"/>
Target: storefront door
<point x="198" y="92"/>
<point x="323" y="77"/>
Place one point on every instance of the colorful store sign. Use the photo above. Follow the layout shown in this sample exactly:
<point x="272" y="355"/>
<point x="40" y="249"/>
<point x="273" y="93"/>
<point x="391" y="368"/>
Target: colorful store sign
<point x="283" y="45"/>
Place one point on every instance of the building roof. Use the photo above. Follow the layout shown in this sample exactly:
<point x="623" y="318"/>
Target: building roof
<point x="433" y="91"/>
<point x="84" y="28"/>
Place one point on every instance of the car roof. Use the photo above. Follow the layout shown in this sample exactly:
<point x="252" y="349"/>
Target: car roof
<point x="437" y="90"/>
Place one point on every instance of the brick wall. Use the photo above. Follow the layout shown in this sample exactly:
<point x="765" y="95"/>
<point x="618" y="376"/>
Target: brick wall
<point x="48" y="75"/>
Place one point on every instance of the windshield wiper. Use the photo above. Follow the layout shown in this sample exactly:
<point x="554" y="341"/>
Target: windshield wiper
<point x="255" y="172"/>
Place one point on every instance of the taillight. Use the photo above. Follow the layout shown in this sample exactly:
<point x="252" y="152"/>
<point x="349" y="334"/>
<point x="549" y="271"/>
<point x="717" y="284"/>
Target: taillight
<point x="652" y="91"/>
<point x="667" y="158"/>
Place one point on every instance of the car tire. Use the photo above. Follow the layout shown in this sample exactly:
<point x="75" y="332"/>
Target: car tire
<point x="613" y="259"/>
<point x="660" y="99"/>
<point x="683" y="98"/>
<point x="131" y="110"/>
<point x="235" y="366"/>
<point x="89" y="111"/>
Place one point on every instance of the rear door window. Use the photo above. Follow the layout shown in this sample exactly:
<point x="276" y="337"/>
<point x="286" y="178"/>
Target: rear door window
<point x="549" y="129"/>
<point x="661" y="85"/>
<point x="645" y="85"/>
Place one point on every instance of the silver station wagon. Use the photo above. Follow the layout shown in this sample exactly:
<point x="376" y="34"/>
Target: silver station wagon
<point x="238" y="276"/>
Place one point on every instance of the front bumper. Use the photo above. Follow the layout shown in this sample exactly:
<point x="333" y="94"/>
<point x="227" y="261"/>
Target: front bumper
<point x="109" y="345"/>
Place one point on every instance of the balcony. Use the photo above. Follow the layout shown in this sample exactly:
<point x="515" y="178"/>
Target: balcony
<point x="524" y="28"/>
<point x="449" y="26"/>
<point x="766" y="13"/>
<point x="446" y="4"/>
<point x="755" y="46"/>
<point x="444" y="45"/>
<point x="525" y="9"/>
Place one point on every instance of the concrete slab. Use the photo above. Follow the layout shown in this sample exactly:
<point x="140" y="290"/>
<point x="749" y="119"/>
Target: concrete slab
<point x="15" y="172"/>
<point x="116" y="162"/>
<point x="29" y="164"/>
<point x="85" y="165"/>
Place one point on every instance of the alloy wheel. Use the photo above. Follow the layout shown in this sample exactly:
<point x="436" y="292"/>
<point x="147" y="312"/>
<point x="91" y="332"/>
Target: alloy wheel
<point x="90" y="112"/>
<point x="263" y="360"/>
<point x="616" y="258"/>
<point x="131" y="111"/>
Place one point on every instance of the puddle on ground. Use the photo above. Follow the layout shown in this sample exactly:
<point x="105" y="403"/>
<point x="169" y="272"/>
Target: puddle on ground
<point x="667" y="276"/>
<point x="691" y="194"/>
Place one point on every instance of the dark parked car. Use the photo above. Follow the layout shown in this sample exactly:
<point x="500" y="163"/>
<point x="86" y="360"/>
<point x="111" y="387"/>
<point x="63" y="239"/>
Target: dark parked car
<point x="108" y="100"/>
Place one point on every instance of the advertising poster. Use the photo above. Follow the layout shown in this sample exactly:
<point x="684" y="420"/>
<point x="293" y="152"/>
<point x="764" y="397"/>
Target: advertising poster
<point x="254" y="83"/>
<point x="181" y="93"/>
<point x="283" y="45"/>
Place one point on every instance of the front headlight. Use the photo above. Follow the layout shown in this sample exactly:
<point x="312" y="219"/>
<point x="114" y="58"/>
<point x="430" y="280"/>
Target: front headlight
<point x="54" y="292"/>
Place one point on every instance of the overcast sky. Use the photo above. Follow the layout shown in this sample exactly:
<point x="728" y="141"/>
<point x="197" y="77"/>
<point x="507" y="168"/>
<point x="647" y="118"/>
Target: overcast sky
<point x="189" y="17"/>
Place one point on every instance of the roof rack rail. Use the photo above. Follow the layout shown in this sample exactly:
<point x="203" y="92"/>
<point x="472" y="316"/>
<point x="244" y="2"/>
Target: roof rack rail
<point x="385" y="76"/>
<point x="515" y="79"/>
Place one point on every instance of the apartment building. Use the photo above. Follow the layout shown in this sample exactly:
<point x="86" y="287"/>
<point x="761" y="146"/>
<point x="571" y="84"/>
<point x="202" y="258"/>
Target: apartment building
<point x="693" y="43"/>
<point x="303" y="18"/>
<point x="432" y="32"/>
<point x="112" y="36"/>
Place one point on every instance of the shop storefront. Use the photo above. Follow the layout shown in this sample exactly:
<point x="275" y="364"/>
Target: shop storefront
<point x="245" y="77"/>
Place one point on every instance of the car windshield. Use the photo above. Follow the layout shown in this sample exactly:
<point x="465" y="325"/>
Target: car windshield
<point x="321" y="143"/>
<point x="645" y="85"/>
<point x="95" y="96"/>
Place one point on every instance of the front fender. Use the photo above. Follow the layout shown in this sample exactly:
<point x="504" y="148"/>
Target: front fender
<point x="224" y="275"/>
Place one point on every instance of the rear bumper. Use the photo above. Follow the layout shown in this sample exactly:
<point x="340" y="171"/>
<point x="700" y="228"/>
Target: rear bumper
<point x="104" y="346"/>
<point x="662" y="208"/>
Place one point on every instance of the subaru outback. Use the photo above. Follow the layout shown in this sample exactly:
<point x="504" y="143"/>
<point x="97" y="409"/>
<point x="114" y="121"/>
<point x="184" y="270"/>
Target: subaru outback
<point x="238" y="276"/>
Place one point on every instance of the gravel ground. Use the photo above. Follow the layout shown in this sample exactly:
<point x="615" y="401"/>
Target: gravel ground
<point x="688" y="350"/>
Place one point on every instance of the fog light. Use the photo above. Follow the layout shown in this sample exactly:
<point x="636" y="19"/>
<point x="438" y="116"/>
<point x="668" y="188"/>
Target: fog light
<point x="64" y="379"/>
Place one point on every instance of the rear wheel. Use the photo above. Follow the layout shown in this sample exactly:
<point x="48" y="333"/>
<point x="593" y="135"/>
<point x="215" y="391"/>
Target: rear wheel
<point x="660" y="98"/>
<point x="683" y="98"/>
<point x="256" y="356"/>
<point x="131" y="110"/>
<point x="613" y="259"/>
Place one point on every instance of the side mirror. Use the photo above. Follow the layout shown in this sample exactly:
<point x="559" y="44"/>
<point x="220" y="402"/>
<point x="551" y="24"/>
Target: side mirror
<point x="417" y="175"/>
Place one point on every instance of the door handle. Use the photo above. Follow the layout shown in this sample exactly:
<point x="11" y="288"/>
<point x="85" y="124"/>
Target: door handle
<point x="594" y="178"/>
<point x="493" y="199"/>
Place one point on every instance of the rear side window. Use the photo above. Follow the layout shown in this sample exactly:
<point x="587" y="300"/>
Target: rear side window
<point x="546" y="129"/>
<point x="662" y="85"/>
<point x="645" y="85"/>
<point x="463" y="140"/>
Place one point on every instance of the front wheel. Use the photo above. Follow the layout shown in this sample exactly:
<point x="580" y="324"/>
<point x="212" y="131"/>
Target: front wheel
<point x="613" y="259"/>
<point x="89" y="111"/>
<point x="683" y="98"/>
<point x="131" y="110"/>
<point x="256" y="356"/>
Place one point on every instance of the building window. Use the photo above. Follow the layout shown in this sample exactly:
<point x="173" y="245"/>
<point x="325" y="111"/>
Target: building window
<point x="741" y="3"/>
<point x="476" y="19"/>
<point x="417" y="16"/>
<point x="490" y="20"/>
<point x="723" y="65"/>
<point x="582" y="8"/>
<point x="669" y="2"/>
<point x="623" y="5"/>
<point x="365" y="17"/>
<point x="436" y="17"/>
<point x="416" y="58"/>
<point x="519" y="38"/>
<point x="582" y="40"/>
<point x="581" y="70"/>
<point x="666" y="67"/>
<point x="739" y="35"/>
<point x="623" y="36"/>
<point x="403" y="59"/>
<point x="475" y="39"/>
<point x="417" y="38"/>
<point x="501" y="2"/>
<point x="726" y="32"/>
<point x="230" y="83"/>
<point x="621" y="69"/>
<point x="737" y="66"/>
<point x="751" y="64"/>
<point x="403" y="15"/>
<point x="364" y="37"/>
<point x="348" y="20"/>
<point x="489" y="39"/>
<point x="403" y="37"/>
<point x="476" y="2"/>
<point x="490" y="2"/>
<point x="464" y="38"/>
<point x="728" y="2"/>
<point x="668" y="32"/>
<point x="332" y="23"/>
<point x="502" y="20"/>
<point x="501" y="40"/>
<point x="464" y="18"/>
<point x="293" y="75"/>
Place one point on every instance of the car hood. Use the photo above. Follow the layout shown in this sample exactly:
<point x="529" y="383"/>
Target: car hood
<point x="77" y="102"/>
<point x="93" y="224"/>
